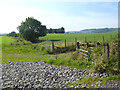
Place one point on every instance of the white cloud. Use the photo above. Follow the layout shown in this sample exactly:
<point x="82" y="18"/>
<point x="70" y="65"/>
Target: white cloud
<point x="79" y="23"/>
<point x="96" y="14"/>
<point x="12" y="16"/>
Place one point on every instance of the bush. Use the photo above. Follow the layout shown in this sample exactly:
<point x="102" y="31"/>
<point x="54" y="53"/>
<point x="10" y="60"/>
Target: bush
<point x="63" y="49"/>
<point x="101" y="61"/>
<point x="50" y="61"/>
<point x="42" y="48"/>
<point x="31" y="29"/>
<point x="75" y="55"/>
<point x="100" y="67"/>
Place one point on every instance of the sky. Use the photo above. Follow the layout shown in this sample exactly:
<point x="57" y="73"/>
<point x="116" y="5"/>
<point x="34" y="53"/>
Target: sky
<point x="73" y="15"/>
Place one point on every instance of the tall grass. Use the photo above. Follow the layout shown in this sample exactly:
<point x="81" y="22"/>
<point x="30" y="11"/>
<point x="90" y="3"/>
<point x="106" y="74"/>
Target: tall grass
<point x="39" y="51"/>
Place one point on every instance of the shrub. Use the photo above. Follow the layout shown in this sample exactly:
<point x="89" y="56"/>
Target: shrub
<point x="42" y="48"/>
<point x="74" y="56"/>
<point x="50" y="61"/>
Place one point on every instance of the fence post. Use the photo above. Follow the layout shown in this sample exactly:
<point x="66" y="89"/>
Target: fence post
<point x="85" y="39"/>
<point x="87" y="44"/>
<point x="75" y="42"/>
<point x="88" y="56"/>
<point x="56" y="57"/>
<point x="103" y="39"/>
<point x="104" y="47"/>
<point x="65" y="43"/>
<point x="72" y="46"/>
<point x="53" y="45"/>
<point x="108" y="50"/>
<point x="94" y="39"/>
<point x="78" y="46"/>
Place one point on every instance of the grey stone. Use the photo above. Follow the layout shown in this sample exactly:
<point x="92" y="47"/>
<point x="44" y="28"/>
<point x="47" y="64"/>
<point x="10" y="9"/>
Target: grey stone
<point x="40" y="74"/>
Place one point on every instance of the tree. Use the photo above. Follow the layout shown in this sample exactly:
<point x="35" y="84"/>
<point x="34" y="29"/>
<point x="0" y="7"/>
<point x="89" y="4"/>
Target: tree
<point x="31" y="29"/>
<point x="59" y="30"/>
<point x="43" y="30"/>
<point x="62" y="30"/>
<point x="12" y="34"/>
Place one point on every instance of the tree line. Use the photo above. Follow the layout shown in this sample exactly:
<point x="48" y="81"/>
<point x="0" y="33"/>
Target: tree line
<point x="59" y="30"/>
<point x="12" y="34"/>
<point x="31" y="29"/>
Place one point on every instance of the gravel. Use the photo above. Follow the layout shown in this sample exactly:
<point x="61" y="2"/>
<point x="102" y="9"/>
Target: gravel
<point x="43" y="75"/>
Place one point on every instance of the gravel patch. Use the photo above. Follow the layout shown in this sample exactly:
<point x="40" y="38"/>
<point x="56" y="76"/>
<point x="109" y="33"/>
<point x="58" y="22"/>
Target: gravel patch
<point x="43" y="75"/>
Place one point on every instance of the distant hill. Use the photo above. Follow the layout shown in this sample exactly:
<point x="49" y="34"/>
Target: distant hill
<point x="100" y="30"/>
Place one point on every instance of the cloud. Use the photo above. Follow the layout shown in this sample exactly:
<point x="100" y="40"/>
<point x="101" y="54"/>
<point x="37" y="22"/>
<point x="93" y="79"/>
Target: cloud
<point x="11" y="16"/>
<point x="79" y="23"/>
<point x="96" y="14"/>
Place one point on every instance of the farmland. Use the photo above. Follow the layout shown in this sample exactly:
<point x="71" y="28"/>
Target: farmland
<point x="80" y="36"/>
<point x="37" y="52"/>
<point x="17" y="49"/>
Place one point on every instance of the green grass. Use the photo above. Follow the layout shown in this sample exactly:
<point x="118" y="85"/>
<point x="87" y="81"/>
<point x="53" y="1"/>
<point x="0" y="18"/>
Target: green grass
<point x="15" y="53"/>
<point x="6" y="41"/>
<point x="68" y="61"/>
<point x="37" y="52"/>
<point x="80" y="37"/>
<point x="34" y="52"/>
<point x="89" y="81"/>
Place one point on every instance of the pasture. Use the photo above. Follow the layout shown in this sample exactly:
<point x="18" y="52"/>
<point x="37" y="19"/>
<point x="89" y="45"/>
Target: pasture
<point x="81" y="37"/>
<point x="39" y="51"/>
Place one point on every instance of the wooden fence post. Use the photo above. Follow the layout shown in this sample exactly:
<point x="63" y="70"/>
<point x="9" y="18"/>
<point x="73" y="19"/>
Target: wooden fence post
<point x="78" y="46"/>
<point x="85" y="39"/>
<point x="56" y="57"/>
<point x="88" y="56"/>
<point x="65" y="43"/>
<point x="108" y="51"/>
<point x="75" y="42"/>
<point x="94" y="39"/>
<point x="104" y="47"/>
<point x="87" y="44"/>
<point x="72" y="46"/>
<point x="53" y="45"/>
<point x="103" y="39"/>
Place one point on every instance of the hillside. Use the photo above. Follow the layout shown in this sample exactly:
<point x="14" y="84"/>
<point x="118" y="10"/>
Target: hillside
<point x="100" y="30"/>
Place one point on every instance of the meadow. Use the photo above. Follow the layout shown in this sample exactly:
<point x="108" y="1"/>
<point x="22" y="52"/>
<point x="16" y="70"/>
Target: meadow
<point x="13" y="50"/>
<point x="81" y="37"/>
<point x="34" y="52"/>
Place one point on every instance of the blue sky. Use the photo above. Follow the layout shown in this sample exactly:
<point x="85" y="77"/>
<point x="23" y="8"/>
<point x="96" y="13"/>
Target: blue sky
<point x="73" y="15"/>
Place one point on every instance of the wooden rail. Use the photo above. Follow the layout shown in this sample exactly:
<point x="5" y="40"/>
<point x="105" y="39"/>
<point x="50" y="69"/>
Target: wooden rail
<point x="83" y="52"/>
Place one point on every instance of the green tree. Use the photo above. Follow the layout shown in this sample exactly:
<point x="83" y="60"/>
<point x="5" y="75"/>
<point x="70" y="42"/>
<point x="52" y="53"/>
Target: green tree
<point x="59" y="30"/>
<point x="62" y="30"/>
<point x="12" y="34"/>
<point x="31" y="29"/>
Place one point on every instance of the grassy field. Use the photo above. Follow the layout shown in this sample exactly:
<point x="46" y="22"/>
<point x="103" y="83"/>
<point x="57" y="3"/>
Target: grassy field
<point x="38" y="52"/>
<point x="15" y="53"/>
<point x="27" y="53"/>
<point x="80" y="37"/>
